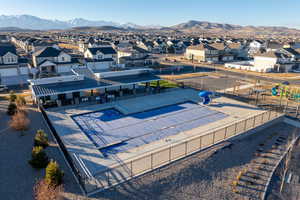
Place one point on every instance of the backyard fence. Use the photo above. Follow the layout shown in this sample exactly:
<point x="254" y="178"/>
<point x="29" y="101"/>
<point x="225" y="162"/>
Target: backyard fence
<point x="126" y="169"/>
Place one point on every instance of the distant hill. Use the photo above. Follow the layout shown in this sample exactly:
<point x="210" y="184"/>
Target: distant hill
<point x="14" y="29"/>
<point x="202" y="25"/>
<point x="28" y="23"/>
<point x="98" y="28"/>
<point x="209" y="27"/>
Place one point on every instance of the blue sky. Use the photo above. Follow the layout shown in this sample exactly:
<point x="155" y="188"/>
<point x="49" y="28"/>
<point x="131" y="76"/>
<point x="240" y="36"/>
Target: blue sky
<point x="162" y="12"/>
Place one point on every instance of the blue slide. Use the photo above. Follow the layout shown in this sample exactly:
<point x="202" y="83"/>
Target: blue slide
<point x="206" y="96"/>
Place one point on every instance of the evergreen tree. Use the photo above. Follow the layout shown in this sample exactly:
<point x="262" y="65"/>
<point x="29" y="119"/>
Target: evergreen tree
<point x="39" y="158"/>
<point x="54" y="175"/>
<point x="41" y="139"/>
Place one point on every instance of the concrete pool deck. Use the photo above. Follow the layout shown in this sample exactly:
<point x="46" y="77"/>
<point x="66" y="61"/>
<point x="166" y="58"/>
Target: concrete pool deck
<point x="112" y="132"/>
<point x="81" y="147"/>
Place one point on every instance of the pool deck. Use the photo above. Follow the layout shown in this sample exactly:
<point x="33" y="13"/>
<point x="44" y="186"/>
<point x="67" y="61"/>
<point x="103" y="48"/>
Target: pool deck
<point x="81" y="147"/>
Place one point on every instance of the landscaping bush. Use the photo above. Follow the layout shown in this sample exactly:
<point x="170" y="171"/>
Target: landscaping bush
<point x="39" y="158"/>
<point x="43" y="191"/>
<point x="11" y="109"/>
<point x="54" y="175"/>
<point x="234" y="183"/>
<point x="240" y="174"/>
<point x="20" y="101"/>
<point x="19" y="121"/>
<point x="41" y="139"/>
<point x="12" y="96"/>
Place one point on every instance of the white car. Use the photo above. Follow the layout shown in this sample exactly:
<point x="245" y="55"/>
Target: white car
<point x="3" y="88"/>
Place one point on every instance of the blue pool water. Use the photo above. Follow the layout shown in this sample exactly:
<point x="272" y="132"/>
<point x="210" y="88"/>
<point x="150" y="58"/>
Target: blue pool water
<point x="110" y="126"/>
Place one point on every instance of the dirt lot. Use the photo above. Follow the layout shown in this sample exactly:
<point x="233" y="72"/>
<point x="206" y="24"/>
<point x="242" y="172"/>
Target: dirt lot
<point x="17" y="176"/>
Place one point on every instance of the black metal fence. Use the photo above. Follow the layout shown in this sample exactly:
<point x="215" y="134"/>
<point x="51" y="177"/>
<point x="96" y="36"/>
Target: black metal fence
<point x="63" y="149"/>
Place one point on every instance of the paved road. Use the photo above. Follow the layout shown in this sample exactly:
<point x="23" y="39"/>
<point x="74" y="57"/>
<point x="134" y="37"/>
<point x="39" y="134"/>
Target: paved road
<point x="240" y="75"/>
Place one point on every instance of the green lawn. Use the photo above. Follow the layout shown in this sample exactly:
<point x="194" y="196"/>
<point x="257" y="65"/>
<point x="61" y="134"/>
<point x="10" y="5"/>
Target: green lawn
<point x="164" y="84"/>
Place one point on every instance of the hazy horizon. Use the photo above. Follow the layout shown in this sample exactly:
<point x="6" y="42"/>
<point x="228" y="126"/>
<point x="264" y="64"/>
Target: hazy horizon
<point x="163" y="13"/>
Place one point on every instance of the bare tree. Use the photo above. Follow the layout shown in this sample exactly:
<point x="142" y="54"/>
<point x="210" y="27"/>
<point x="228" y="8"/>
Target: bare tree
<point x="44" y="191"/>
<point x="19" y="122"/>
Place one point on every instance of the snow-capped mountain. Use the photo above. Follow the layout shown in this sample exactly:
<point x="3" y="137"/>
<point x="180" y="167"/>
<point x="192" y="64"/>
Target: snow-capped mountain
<point x="36" y="23"/>
<point x="31" y="22"/>
<point x="83" y="22"/>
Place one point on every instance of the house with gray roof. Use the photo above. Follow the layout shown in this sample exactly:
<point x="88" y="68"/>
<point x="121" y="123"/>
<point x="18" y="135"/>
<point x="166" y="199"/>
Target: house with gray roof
<point x="13" y="69"/>
<point x="52" y="61"/>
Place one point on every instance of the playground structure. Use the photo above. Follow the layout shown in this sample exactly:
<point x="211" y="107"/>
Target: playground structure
<point x="286" y="91"/>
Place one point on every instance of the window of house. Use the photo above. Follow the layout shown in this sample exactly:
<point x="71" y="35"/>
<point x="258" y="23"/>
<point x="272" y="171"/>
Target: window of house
<point x="63" y="58"/>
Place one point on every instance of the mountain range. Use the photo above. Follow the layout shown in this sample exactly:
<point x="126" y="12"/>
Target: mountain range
<point x="29" y="22"/>
<point x="36" y="23"/>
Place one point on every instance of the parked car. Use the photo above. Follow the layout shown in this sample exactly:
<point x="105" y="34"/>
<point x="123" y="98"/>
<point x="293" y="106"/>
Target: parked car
<point x="3" y="88"/>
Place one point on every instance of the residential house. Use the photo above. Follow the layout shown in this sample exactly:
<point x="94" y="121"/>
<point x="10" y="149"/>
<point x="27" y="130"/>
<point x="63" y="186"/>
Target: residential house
<point x="13" y="69"/>
<point x="202" y="53"/>
<point x="273" y="61"/>
<point x="224" y="56"/>
<point x="134" y="56"/>
<point x="255" y="46"/>
<point x="100" y="58"/>
<point x="273" y="46"/>
<point x="239" y="51"/>
<point x="51" y="61"/>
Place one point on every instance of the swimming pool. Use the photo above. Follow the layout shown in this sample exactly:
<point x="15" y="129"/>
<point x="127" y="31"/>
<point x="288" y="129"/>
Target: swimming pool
<point x="113" y="132"/>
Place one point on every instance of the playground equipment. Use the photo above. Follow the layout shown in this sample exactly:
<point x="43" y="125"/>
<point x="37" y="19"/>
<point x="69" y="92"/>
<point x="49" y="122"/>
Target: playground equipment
<point x="287" y="91"/>
<point x="206" y="97"/>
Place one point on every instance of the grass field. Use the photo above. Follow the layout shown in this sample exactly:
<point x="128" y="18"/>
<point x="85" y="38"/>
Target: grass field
<point x="164" y="84"/>
<point x="182" y="76"/>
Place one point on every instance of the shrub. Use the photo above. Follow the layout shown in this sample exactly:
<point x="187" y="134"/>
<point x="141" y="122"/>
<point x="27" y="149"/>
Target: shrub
<point x="12" y="96"/>
<point x="234" y="183"/>
<point x="54" y="175"/>
<point x="39" y="158"/>
<point x="11" y="109"/>
<point x="264" y="162"/>
<point x="20" y="101"/>
<point x="240" y="174"/>
<point x="41" y="139"/>
<point x="43" y="191"/>
<point x="19" y="121"/>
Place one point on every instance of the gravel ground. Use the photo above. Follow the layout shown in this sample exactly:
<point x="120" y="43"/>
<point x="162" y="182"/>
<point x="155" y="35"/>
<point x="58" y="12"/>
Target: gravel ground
<point x="291" y="191"/>
<point x="213" y="82"/>
<point x="17" y="176"/>
<point x="205" y="175"/>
